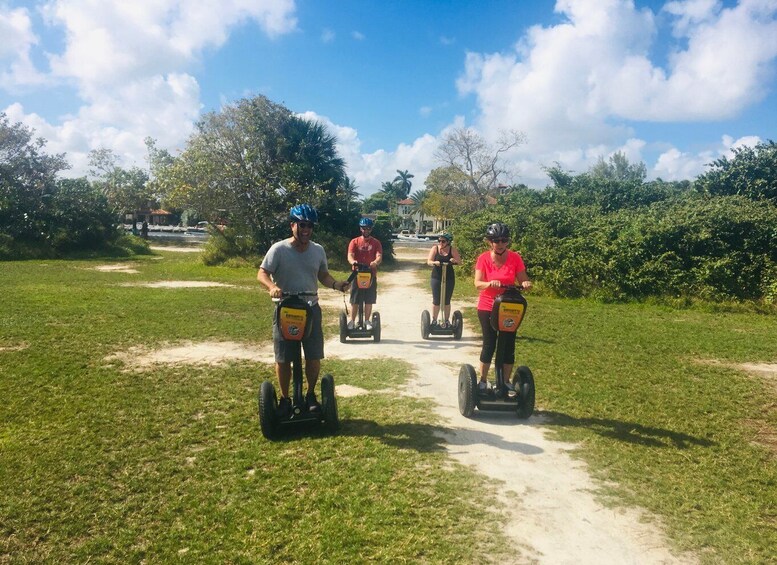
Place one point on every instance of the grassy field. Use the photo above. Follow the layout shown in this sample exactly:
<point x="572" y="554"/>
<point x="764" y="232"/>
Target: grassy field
<point x="99" y="462"/>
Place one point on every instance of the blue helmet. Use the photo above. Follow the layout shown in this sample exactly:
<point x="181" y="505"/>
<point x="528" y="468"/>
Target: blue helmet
<point x="447" y="236"/>
<point x="366" y="223"/>
<point x="304" y="213"/>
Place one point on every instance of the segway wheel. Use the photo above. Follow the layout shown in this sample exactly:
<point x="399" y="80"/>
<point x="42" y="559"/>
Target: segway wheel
<point x="523" y="381"/>
<point x="268" y="417"/>
<point x="329" y="404"/>
<point x="343" y="327"/>
<point x="426" y="322"/>
<point x="468" y="390"/>
<point x="458" y="325"/>
<point x="376" y="327"/>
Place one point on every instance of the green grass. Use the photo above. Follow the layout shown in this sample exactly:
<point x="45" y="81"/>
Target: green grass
<point x="101" y="464"/>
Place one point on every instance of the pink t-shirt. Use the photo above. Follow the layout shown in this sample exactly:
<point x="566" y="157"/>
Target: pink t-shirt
<point x="505" y="274"/>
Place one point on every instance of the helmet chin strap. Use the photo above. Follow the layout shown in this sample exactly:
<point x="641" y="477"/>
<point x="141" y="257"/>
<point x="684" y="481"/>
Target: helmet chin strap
<point x="502" y="253"/>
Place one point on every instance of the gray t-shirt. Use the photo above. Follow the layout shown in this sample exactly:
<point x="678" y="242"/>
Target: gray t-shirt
<point x="296" y="271"/>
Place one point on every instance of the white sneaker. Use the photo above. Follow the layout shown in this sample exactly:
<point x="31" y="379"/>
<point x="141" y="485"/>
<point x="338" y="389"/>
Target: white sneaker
<point x="350" y="324"/>
<point x="482" y="385"/>
<point x="368" y="326"/>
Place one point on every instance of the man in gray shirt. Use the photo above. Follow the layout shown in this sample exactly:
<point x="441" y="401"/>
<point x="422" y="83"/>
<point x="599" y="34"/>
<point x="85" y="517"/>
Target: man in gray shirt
<point x="298" y="264"/>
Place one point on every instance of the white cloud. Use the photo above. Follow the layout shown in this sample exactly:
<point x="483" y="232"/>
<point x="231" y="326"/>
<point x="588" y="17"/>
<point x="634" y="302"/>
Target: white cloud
<point x="674" y="164"/>
<point x="127" y="61"/>
<point x="370" y="170"/>
<point x="357" y="35"/>
<point x="575" y="87"/>
<point x="327" y="36"/>
<point x="16" y="67"/>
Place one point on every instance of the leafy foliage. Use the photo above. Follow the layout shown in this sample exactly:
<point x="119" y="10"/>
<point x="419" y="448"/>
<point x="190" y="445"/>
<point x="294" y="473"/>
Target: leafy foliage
<point x="251" y="162"/>
<point x="43" y="216"/>
<point x="752" y="173"/>
<point x="617" y="239"/>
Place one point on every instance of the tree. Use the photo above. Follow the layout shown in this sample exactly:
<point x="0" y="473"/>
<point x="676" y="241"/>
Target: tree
<point x="348" y="192"/>
<point x="464" y="149"/>
<point x="402" y="183"/>
<point x="27" y="179"/>
<point x="752" y="172"/>
<point x="449" y="193"/>
<point x="255" y="159"/>
<point x="618" y="168"/>
<point x="420" y="206"/>
<point x="126" y="190"/>
<point x="390" y="190"/>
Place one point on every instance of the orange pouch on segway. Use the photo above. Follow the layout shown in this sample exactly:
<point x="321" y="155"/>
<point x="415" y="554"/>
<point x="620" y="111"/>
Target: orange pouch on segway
<point x="292" y="322"/>
<point x="363" y="279"/>
<point x="509" y="316"/>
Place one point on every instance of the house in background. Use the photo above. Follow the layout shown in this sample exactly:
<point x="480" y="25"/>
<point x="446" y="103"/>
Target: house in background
<point x="417" y="222"/>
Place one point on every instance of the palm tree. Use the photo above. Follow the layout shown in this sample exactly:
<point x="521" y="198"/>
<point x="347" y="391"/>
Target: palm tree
<point x="402" y="181"/>
<point x="419" y="206"/>
<point x="348" y="188"/>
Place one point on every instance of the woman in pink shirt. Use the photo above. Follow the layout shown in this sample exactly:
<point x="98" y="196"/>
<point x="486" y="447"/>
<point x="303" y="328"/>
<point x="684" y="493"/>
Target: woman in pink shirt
<point x="494" y="269"/>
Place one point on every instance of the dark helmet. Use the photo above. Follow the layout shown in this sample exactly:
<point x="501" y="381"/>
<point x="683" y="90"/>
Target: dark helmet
<point x="366" y="223"/>
<point x="497" y="230"/>
<point x="447" y="236"/>
<point x="303" y="213"/>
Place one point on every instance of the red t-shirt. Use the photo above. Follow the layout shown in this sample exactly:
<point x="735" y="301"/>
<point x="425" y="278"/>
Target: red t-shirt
<point x="505" y="274"/>
<point x="365" y="250"/>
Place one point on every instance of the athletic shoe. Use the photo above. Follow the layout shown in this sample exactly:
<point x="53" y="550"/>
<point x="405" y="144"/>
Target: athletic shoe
<point x="350" y="324"/>
<point x="310" y="399"/>
<point x="284" y="407"/>
<point x="368" y="326"/>
<point x="482" y="385"/>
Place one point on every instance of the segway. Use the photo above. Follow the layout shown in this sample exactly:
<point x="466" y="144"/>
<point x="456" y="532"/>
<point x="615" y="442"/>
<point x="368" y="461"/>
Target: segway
<point x="457" y="324"/>
<point x="506" y="317"/>
<point x="294" y="318"/>
<point x="363" y="276"/>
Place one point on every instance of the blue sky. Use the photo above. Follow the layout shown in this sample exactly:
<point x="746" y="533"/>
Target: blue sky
<point x="675" y="84"/>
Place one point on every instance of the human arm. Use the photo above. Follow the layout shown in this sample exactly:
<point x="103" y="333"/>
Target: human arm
<point x="263" y="276"/>
<point x="377" y="261"/>
<point x="430" y="258"/>
<point x="455" y="257"/>
<point x="328" y="280"/>
<point x="481" y="282"/>
<point x="523" y="280"/>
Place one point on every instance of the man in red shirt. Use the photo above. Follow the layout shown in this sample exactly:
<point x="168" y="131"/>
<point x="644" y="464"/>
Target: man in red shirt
<point x="366" y="250"/>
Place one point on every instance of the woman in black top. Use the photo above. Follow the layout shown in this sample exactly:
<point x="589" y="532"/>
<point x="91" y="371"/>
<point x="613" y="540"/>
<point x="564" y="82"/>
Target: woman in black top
<point x="443" y="254"/>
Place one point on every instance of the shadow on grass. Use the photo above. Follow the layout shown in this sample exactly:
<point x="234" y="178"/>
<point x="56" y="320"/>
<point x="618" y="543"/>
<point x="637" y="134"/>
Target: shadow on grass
<point x="423" y="438"/>
<point x="630" y="432"/>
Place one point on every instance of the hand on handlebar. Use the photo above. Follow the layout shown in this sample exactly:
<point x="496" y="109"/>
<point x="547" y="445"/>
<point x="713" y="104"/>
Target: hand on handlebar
<point x="276" y="292"/>
<point x="495" y="284"/>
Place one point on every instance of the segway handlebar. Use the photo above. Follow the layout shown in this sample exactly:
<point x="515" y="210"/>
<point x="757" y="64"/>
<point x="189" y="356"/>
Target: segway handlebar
<point x="357" y="268"/>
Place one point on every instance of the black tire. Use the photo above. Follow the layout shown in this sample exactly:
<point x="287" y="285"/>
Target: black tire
<point x="458" y="324"/>
<point x="329" y="404"/>
<point x="426" y="322"/>
<point x="468" y="390"/>
<point x="376" y="327"/>
<point x="343" y="327"/>
<point x="268" y="406"/>
<point x="523" y="381"/>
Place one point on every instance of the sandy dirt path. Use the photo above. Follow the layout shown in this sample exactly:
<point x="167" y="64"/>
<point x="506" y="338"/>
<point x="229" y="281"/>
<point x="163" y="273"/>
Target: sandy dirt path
<point x="553" y="514"/>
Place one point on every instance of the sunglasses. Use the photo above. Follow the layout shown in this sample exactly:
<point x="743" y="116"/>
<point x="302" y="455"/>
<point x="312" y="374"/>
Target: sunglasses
<point x="500" y="240"/>
<point x="305" y="225"/>
<point x="442" y="240"/>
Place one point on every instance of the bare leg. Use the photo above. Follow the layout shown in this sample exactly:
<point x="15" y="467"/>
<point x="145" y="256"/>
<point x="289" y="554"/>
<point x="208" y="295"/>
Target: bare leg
<point x="283" y="370"/>
<point x="312" y="369"/>
<point x="367" y="312"/>
<point x="447" y="312"/>
<point x="484" y="367"/>
<point x="435" y="312"/>
<point x="507" y="372"/>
